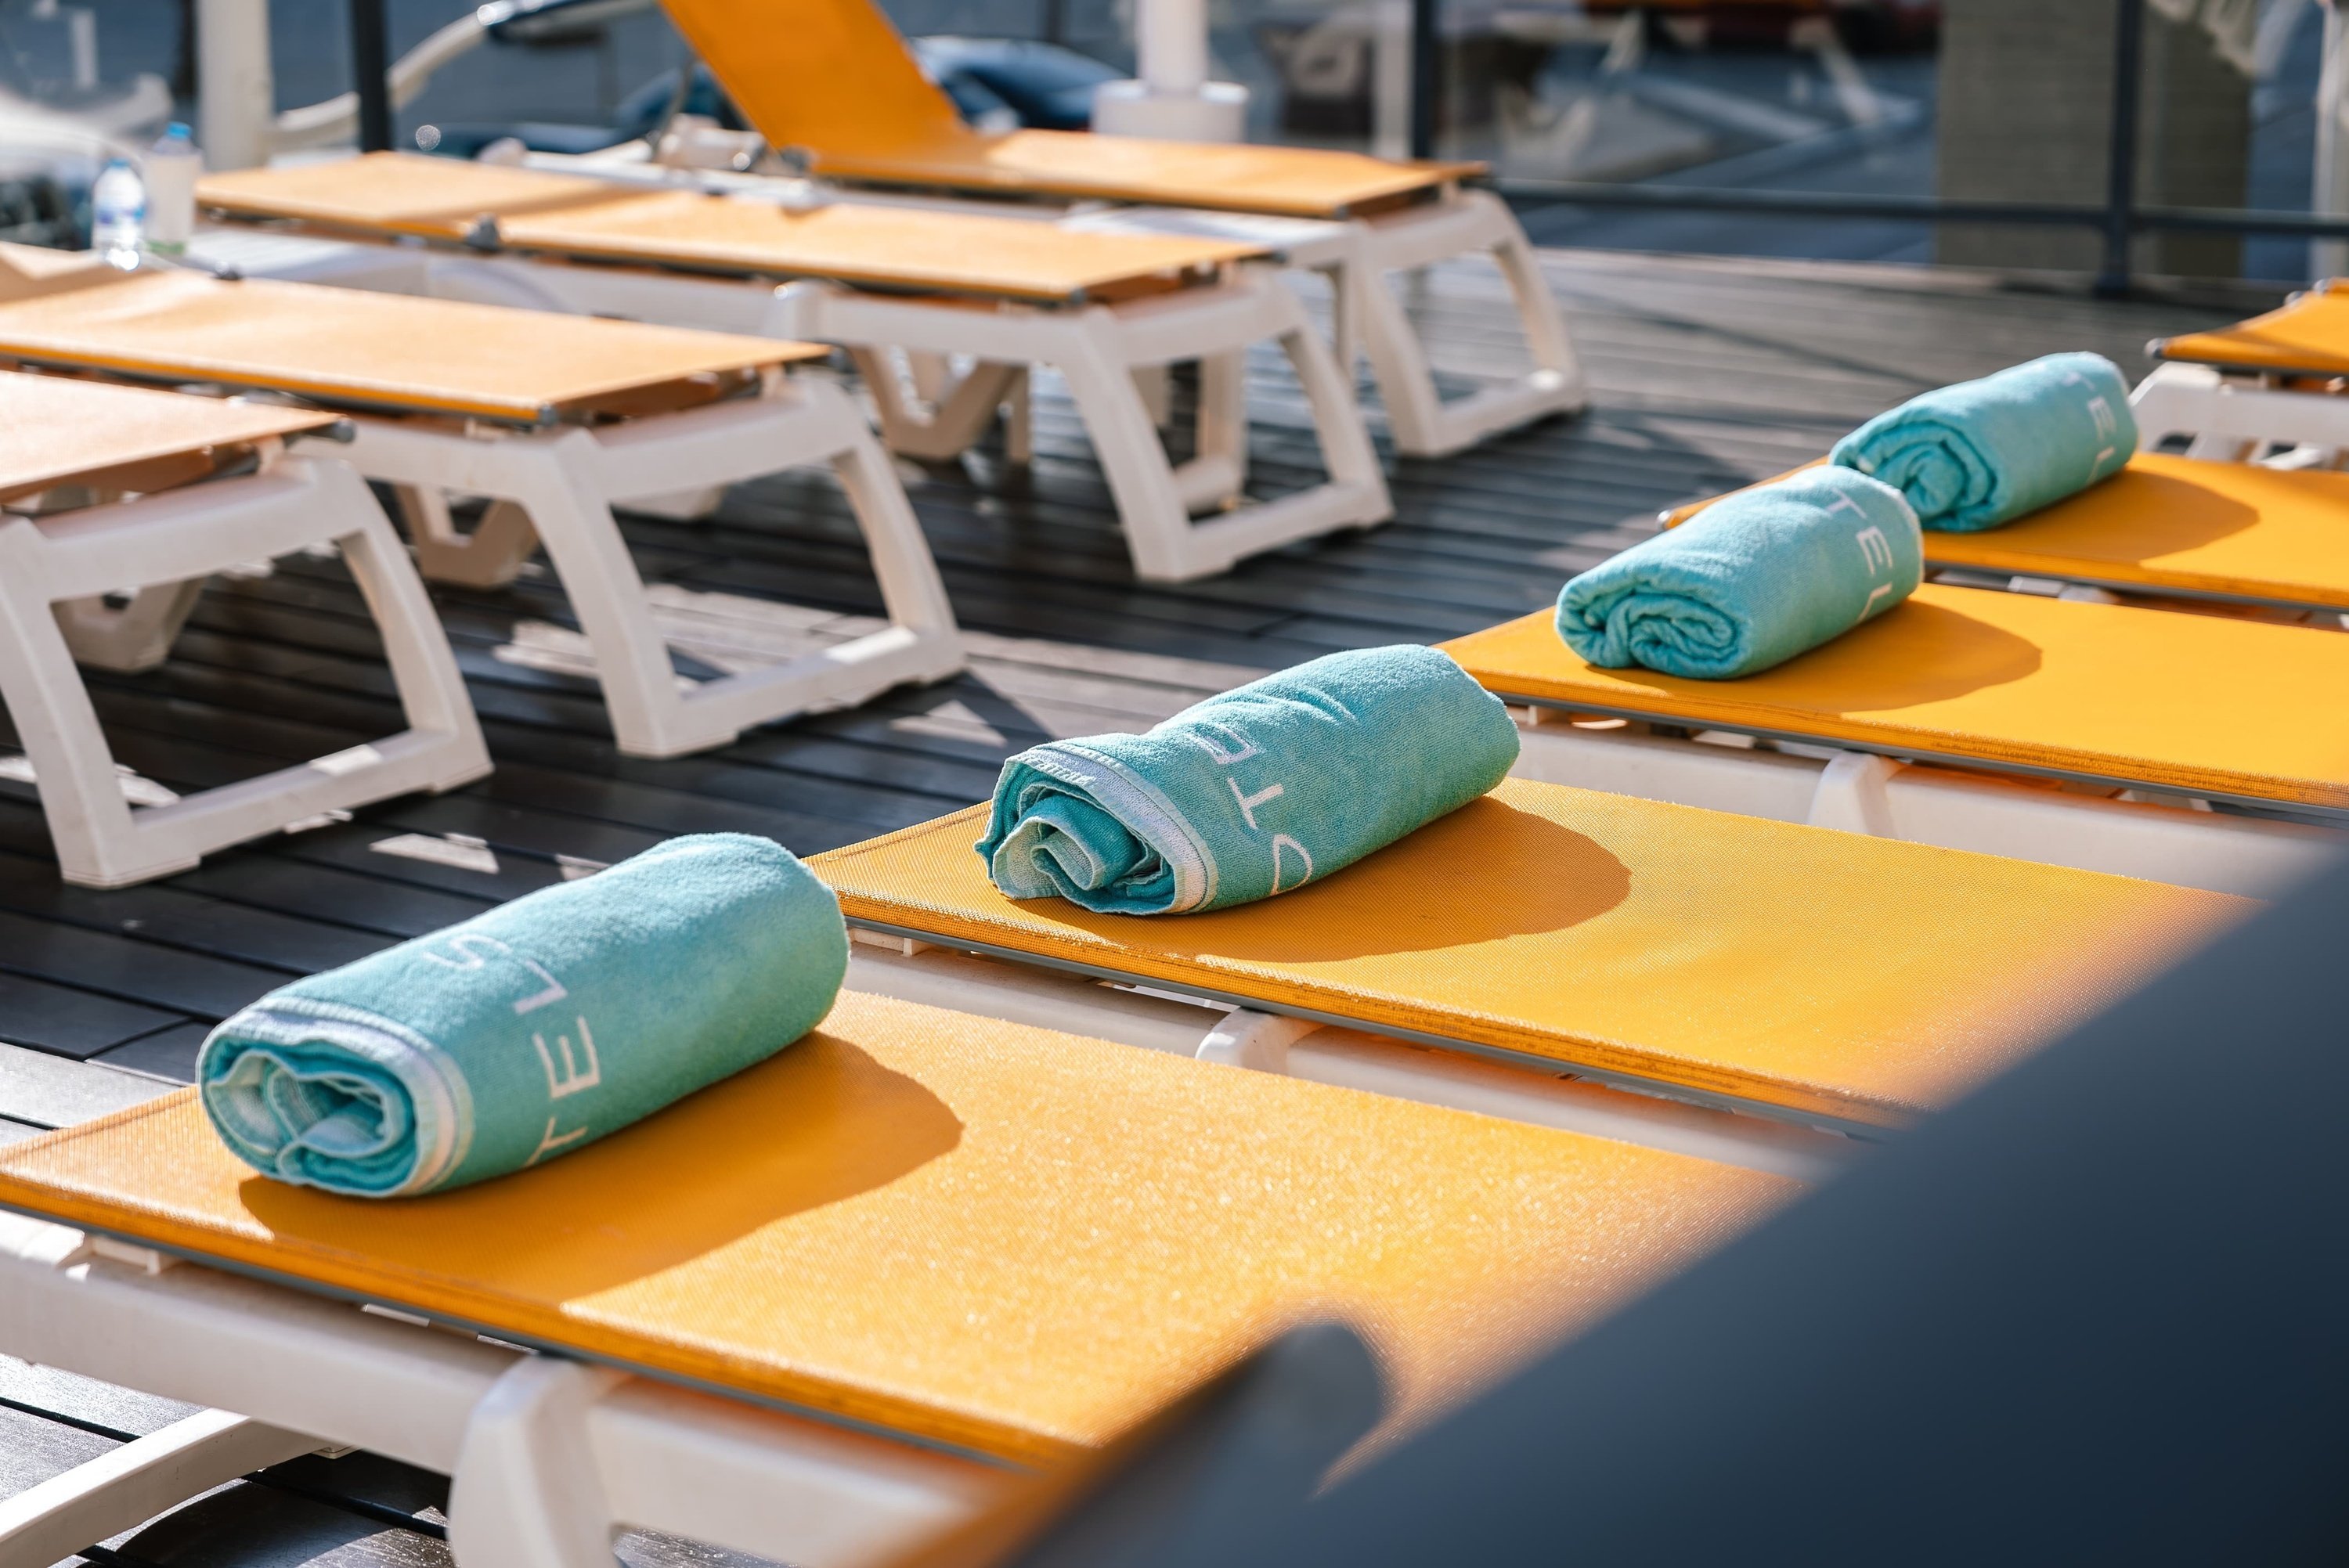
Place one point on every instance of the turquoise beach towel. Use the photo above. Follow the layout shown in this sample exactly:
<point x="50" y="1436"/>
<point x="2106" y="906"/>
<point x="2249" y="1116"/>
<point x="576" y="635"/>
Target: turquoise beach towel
<point x="533" y="1030"/>
<point x="1750" y="581"/>
<point x="1984" y="452"/>
<point x="1252" y="793"/>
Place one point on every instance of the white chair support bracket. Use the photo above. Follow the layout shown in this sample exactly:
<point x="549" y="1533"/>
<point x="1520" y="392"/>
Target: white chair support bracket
<point x="558" y="487"/>
<point x="526" y="1493"/>
<point x="1248" y="1038"/>
<point x="162" y="543"/>
<point x="1851" y="798"/>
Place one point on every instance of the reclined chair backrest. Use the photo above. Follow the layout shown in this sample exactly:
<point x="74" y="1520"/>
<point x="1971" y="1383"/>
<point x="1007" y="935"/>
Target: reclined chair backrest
<point x="826" y="74"/>
<point x="833" y="79"/>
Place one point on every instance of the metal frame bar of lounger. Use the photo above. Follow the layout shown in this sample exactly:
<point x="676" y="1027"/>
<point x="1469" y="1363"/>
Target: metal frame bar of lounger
<point x="161" y="546"/>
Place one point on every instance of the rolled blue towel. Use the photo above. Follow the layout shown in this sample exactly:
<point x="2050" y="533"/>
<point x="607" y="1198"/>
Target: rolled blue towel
<point x="1984" y="452"/>
<point x="1252" y="793"/>
<point x="531" y="1030"/>
<point x="1750" y="581"/>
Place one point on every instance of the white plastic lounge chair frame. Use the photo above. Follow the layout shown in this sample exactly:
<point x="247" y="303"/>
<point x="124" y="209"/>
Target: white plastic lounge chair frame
<point x="1360" y="255"/>
<point x="2235" y="416"/>
<point x="161" y="547"/>
<point x="558" y="486"/>
<point x="1097" y="348"/>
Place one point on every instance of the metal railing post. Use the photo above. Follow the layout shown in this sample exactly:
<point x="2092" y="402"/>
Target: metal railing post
<point x="1426" y="75"/>
<point x="371" y="68"/>
<point x="2120" y="167"/>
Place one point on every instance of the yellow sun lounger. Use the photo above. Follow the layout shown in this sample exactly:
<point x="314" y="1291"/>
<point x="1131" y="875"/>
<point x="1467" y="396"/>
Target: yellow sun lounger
<point x="2272" y="381"/>
<point x="2171" y="527"/>
<point x="556" y="420"/>
<point x="815" y="1312"/>
<point x="831" y="81"/>
<point x="1782" y="970"/>
<point x="1007" y="293"/>
<point x="111" y="490"/>
<point x="2089" y="699"/>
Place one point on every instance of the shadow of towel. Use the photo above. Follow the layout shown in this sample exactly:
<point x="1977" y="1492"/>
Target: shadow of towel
<point x="818" y="1124"/>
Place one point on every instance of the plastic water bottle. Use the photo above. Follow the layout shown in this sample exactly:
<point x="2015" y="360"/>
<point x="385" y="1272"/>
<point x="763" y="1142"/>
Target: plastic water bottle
<point x="117" y="214"/>
<point x="172" y="165"/>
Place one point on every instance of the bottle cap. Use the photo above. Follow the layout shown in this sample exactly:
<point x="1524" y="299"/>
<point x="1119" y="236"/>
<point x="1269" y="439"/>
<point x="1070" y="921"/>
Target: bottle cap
<point x="179" y="128"/>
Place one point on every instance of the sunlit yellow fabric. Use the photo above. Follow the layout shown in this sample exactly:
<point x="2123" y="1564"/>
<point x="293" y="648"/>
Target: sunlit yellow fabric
<point x="1820" y="971"/>
<point x="832" y="78"/>
<point x="2309" y="335"/>
<point x="2191" y="703"/>
<point x="55" y="430"/>
<point x="2172" y="523"/>
<point x="892" y="247"/>
<point x="384" y="350"/>
<point x="964" y="1230"/>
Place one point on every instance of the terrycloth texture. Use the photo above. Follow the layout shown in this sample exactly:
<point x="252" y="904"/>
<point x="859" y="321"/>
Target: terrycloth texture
<point x="1984" y="452"/>
<point x="533" y="1030"/>
<point x="1750" y="581"/>
<point x="1251" y="793"/>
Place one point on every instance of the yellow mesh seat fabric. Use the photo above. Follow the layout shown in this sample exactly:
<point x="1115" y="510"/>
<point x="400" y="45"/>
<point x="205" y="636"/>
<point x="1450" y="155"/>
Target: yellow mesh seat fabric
<point x="2173" y="525"/>
<point x="2309" y="335"/>
<point x="1823" y="972"/>
<point x="889" y="247"/>
<point x="55" y="430"/>
<point x="832" y="78"/>
<point x="383" y="350"/>
<point x="962" y="1230"/>
<point x="2235" y="709"/>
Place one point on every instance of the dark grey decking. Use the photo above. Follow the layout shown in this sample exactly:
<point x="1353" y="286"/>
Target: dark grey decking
<point x="1705" y="373"/>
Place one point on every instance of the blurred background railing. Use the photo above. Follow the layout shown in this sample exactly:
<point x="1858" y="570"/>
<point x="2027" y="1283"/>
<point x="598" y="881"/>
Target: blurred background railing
<point x="2117" y="139"/>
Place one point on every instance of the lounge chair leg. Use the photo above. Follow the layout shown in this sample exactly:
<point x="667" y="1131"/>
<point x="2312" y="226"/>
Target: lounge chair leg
<point x="489" y="557"/>
<point x="1851" y="795"/>
<point x="911" y="587"/>
<point x="526" y="1493"/>
<point x="134" y="636"/>
<point x="90" y="822"/>
<point x="147" y="1476"/>
<point x="1424" y="424"/>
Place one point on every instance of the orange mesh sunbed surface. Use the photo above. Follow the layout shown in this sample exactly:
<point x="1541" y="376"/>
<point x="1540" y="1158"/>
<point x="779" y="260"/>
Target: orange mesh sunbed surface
<point x="2226" y="708"/>
<point x="892" y="247"/>
<point x="1792" y="968"/>
<point x="2308" y="336"/>
<point x="833" y="79"/>
<point x="55" y="430"/>
<point x="964" y="1231"/>
<point x="376" y="350"/>
<point x="2174" y="525"/>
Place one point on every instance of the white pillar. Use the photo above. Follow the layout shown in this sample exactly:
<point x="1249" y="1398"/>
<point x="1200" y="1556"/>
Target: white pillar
<point x="1173" y="98"/>
<point x="2330" y="193"/>
<point x="236" y="92"/>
